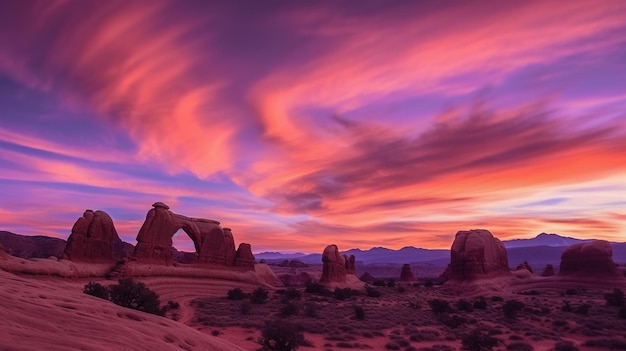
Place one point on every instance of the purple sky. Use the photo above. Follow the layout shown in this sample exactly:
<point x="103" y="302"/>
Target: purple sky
<point x="300" y="124"/>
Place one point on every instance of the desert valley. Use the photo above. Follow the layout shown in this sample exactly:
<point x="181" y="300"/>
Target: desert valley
<point x="219" y="298"/>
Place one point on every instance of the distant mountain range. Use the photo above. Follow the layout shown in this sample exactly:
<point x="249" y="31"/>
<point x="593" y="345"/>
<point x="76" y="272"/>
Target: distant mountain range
<point x="538" y="251"/>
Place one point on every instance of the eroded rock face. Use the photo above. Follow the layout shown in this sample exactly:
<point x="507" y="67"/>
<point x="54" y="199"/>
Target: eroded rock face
<point x="477" y="254"/>
<point x="594" y="258"/>
<point x="214" y="244"/>
<point x="548" y="271"/>
<point x="244" y="256"/>
<point x="406" y="275"/>
<point x="93" y="238"/>
<point x="350" y="264"/>
<point x="334" y="269"/>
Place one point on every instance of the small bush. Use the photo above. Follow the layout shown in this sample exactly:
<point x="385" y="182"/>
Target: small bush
<point x="392" y="346"/>
<point x="429" y="284"/>
<point x="583" y="309"/>
<point x="371" y="292"/>
<point x="496" y="299"/>
<point x="342" y="294"/>
<point x="616" y="298"/>
<point x="293" y="294"/>
<point x="439" y="306"/>
<point x="566" y="307"/>
<point x="401" y="289"/>
<point x="622" y="312"/>
<point x="415" y="305"/>
<point x="97" y="290"/>
<point x="480" y="304"/>
<point x="511" y="308"/>
<point x="519" y="346"/>
<point x="359" y="313"/>
<point x="478" y="340"/>
<point x="453" y="321"/>
<point x="280" y="336"/>
<point x="391" y="283"/>
<point x="259" y="296"/>
<point x="173" y="305"/>
<point x="289" y="309"/>
<point x="565" y="346"/>
<point x="215" y="332"/>
<point x="571" y="292"/>
<point x="317" y="288"/>
<point x="310" y="310"/>
<point x="425" y="335"/>
<point x="379" y="283"/>
<point x="235" y="294"/>
<point x="128" y="293"/>
<point x="607" y="344"/>
<point x="464" y="305"/>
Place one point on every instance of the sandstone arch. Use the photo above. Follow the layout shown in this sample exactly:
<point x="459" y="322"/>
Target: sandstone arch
<point x="213" y="243"/>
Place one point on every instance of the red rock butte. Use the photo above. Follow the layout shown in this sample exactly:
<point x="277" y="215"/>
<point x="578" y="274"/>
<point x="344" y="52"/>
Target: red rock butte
<point x="477" y="254"/>
<point x="592" y="259"/>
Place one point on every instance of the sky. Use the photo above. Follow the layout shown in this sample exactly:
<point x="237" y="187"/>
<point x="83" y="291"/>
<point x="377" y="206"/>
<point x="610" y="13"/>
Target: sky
<point x="302" y="124"/>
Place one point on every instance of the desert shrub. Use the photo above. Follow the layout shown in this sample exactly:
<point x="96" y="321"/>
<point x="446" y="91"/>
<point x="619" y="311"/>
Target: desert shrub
<point x="342" y="294"/>
<point x="173" y="305"/>
<point x="571" y="292"/>
<point x="622" y="312"/>
<point x="496" y="299"/>
<point x="429" y="284"/>
<point x="235" y="294"/>
<point x="565" y="346"/>
<point x="391" y="283"/>
<point x="246" y="308"/>
<point x="289" y="309"/>
<point x="97" y="290"/>
<point x="401" y="289"/>
<point x="583" y="309"/>
<point x="452" y="321"/>
<point x="480" y="304"/>
<point x="317" y="288"/>
<point x="425" y="335"/>
<point x="392" y="345"/>
<point x="359" y="313"/>
<point x="559" y="323"/>
<point x="371" y="292"/>
<point x="616" y="298"/>
<point x="259" y="296"/>
<point x="566" y="307"/>
<point x="607" y="344"/>
<point x="464" y="305"/>
<point x="519" y="346"/>
<point x="439" y="306"/>
<point x="293" y="294"/>
<point x="280" y="336"/>
<point x="379" y="283"/>
<point x="511" y="308"/>
<point x="478" y="340"/>
<point x="310" y="309"/>
<point x="135" y="295"/>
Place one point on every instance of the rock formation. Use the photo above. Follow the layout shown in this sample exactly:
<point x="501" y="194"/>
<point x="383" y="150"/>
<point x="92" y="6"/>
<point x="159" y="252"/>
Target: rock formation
<point x="524" y="265"/>
<point x="593" y="258"/>
<point x="406" y="275"/>
<point x="548" y="271"/>
<point x="339" y="270"/>
<point x="477" y="254"/>
<point x="93" y="238"/>
<point x="214" y="244"/>
<point x="244" y="256"/>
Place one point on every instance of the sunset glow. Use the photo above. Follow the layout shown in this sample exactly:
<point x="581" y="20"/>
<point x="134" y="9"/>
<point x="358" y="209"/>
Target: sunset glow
<point x="304" y="124"/>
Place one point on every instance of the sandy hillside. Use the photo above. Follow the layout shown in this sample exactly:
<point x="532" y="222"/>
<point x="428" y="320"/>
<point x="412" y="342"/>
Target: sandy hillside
<point x="54" y="314"/>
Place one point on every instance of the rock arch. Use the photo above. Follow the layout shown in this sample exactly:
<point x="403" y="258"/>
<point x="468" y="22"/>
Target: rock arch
<point x="213" y="243"/>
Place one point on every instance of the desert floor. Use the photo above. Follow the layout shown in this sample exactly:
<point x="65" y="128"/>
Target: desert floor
<point x="43" y="312"/>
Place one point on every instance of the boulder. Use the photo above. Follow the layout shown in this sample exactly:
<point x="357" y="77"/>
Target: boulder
<point x="477" y="254"/>
<point x="406" y="275"/>
<point x="548" y="271"/>
<point x="592" y="259"/>
<point x="244" y="256"/>
<point x="93" y="238"/>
